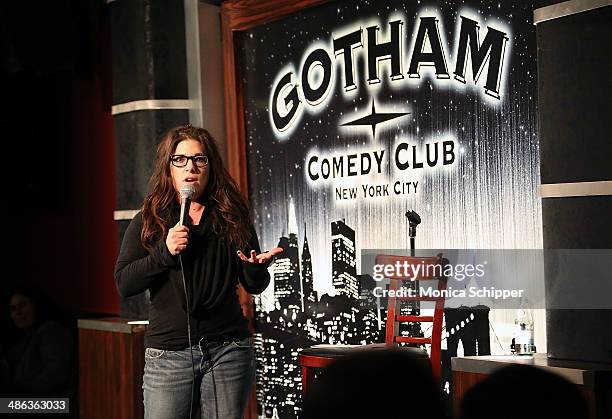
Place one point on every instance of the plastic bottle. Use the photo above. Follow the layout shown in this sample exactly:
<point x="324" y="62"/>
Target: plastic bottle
<point x="523" y="334"/>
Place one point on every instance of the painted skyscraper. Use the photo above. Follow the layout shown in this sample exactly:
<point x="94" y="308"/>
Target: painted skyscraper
<point x="344" y="271"/>
<point x="309" y="295"/>
<point x="287" y="269"/>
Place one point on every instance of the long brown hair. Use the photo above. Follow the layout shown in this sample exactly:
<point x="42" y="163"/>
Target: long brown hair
<point x="230" y="215"/>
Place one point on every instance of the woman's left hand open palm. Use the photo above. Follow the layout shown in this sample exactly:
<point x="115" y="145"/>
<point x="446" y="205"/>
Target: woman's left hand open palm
<point x="260" y="258"/>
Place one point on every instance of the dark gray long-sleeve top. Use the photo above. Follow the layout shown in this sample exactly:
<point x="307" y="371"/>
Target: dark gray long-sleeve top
<point x="212" y="271"/>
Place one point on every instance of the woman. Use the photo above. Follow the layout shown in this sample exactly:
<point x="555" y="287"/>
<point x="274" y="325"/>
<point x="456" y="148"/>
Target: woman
<point x="212" y="251"/>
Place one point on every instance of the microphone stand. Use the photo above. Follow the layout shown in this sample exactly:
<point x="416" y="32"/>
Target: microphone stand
<point x="413" y="221"/>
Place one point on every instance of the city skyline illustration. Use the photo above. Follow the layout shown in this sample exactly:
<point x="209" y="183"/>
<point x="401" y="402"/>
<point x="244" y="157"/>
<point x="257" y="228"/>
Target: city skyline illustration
<point x="300" y="316"/>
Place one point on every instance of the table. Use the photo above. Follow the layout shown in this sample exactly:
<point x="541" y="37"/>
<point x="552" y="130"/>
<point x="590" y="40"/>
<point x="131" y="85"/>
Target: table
<point x="593" y="379"/>
<point x="111" y="364"/>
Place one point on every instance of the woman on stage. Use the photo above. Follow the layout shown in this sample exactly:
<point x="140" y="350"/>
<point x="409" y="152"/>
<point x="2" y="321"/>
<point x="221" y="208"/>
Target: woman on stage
<point x="216" y="249"/>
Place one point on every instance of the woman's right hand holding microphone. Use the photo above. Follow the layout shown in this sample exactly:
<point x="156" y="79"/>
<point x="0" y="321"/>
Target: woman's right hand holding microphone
<point x="177" y="239"/>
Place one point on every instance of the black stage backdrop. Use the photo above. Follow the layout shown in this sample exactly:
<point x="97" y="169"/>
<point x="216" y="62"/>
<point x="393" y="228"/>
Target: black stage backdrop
<point x="358" y="111"/>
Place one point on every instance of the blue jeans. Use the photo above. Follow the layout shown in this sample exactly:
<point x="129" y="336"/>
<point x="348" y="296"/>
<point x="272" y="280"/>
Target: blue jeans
<point x="224" y="375"/>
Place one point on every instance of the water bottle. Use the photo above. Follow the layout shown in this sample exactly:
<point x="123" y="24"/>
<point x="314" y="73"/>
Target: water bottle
<point x="523" y="332"/>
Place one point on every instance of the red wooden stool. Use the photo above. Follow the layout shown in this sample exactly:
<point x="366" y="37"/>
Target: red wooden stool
<point x="431" y="269"/>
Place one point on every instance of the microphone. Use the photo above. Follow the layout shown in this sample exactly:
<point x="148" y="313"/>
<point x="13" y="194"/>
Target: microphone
<point x="187" y="191"/>
<point x="413" y="218"/>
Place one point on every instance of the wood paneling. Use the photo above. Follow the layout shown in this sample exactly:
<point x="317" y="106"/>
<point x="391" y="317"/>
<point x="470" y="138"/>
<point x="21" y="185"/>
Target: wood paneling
<point x="462" y="382"/>
<point x="111" y="365"/>
<point x="599" y="401"/>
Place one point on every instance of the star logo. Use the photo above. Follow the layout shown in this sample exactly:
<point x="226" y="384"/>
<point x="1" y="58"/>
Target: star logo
<point x="374" y="119"/>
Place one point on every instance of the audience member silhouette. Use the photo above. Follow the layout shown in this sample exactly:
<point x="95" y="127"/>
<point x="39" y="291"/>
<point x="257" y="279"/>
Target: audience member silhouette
<point x="385" y="383"/>
<point x="39" y="361"/>
<point x="523" y="391"/>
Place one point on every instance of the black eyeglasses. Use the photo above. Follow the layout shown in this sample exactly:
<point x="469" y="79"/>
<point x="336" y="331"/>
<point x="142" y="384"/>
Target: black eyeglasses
<point x="179" y="160"/>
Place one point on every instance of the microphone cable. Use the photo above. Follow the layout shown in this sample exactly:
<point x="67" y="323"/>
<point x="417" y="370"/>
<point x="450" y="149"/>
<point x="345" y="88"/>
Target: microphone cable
<point x="193" y="379"/>
<point x="212" y="375"/>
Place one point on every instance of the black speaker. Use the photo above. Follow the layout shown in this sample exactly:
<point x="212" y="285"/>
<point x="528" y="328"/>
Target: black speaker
<point x="574" y="89"/>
